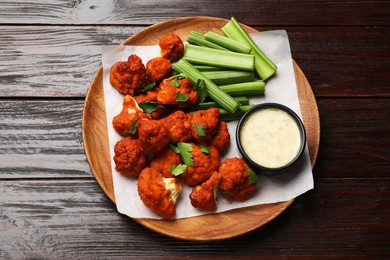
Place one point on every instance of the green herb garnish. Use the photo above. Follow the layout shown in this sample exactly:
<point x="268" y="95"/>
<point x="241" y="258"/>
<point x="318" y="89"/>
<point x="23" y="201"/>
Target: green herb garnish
<point x="180" y="97"/>
<point x="201" y="88"/>
<point x="204" y="149"/>
<point x="176" y="170"/>
<point x="199" y="129"/>
<point x="184" y="150"/>
<point x="148" y="87"/>
<point x="175" y="83"/>
<point x="149" y="106"/>
<point x="133" y="126"/>
<point x="252" y="177"/>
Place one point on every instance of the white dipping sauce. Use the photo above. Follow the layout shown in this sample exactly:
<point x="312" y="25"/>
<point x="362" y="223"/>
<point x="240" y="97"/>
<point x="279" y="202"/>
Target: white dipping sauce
<point x="270" y="137"/>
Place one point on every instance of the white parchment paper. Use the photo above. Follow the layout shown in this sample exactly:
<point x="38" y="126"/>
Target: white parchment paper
<point x="281" y="88"/>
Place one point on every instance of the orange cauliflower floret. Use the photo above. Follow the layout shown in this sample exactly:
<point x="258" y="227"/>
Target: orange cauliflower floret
<point x="152" y="135"/>
<point x="205" y="163"/>
<point x="221" y="139"/>
<point x="158" y="68"/>
<point x="163" y="160"/>
<point x="130" y="112"/>
<point x="159" y="194"/>
<point x="129" y="158"/>
<point x="208" y="120"/>
<point x="235" y="184"/>
<point x="172" y="47"/>
<point x="128" y="76"/>
<point x="204" y="196"/>
<point x="178" y="126"/>
<point x="180" y="92"/>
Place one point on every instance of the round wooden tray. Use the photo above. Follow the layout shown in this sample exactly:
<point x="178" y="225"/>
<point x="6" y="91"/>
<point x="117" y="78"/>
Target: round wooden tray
<point x="206" y="227"/>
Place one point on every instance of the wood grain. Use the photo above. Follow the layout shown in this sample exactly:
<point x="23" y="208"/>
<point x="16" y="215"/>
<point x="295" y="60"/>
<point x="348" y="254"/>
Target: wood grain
<point x="37" y="62"/>
<point x="74" y="219"/>
<point x="35" y="144"/>
<point x="146" y="12"/>
<point x="220" y="225"/>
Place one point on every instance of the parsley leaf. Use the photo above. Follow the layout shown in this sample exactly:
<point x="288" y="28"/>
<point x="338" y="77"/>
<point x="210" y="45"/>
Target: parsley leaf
<point x="175" y="83"/>
<point x="200" y="87"/>
<point x="180" y="97"/>
<point x="184" y="150"/>
<point x="149" y="106"/>
<point x="133" y="126"/>
<point x="174" y="148"/>
<point x="199" y="129"/>
<point x="204" y="149"/>
<point x="252" y="177"/>
<point x="176" y="170"/>
<point x="148" y="87"/>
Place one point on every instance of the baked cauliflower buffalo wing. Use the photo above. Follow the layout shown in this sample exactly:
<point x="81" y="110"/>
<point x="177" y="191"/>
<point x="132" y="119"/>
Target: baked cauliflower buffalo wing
<point x="205" y="164"/>
<point x="178" y="126"/>
<point x="208" y="120"/>
<point x="129" y="158"/>
<point x="235" y="183"/>
<point x="128" y="76"/>
<point x="172" y="47"/>
<point x="204" y="196"/>
<point x="221" y="139"/>
<point x="130" y="112"/>
<point x="180" y="92"/>
<point x="158" y="68"/>
<point x="163" y="160"/>
<point x="152" y="135"/>
<point x="159" y="194"/>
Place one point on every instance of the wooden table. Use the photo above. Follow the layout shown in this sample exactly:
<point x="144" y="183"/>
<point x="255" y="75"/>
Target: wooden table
<point x="50" y="203"/>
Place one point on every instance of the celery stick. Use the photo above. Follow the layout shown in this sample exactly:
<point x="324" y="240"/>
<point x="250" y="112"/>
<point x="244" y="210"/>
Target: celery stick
<point x="226" y="101"/>
<point x="207" y="68"/>
<point x="226" y="59"/>
<point x="253" y="88"/>
<point x="225" y="77"/>
<point x="209" y="104"/>
<point x="199" y="39"/>
<point x="264" y="67"/>
<point x="228" y="43"/>
<point x="227" y="116"/>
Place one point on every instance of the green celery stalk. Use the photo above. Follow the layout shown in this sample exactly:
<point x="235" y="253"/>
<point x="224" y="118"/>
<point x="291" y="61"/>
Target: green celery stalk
<point x="225" y="100"/>
<point x="209" y="104"/>
<point x="253" y="88"/>
<point x="206" y="68"/>
<point x="228" y="43"/>
<point x="264" y="67"/>
<point x="226" y="59"/>
<point x="199" y="39"/>
<point x="227" y="116"/>
<point x="225" y="77"/>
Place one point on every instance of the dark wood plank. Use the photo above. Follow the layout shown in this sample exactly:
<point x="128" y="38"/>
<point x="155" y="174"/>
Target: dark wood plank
<point x="73" y="219"/>
<point x="38" y="61"/>
<point x="267" y="12"/>
<point x="355" y="138"/>
<point x="42" y="139"/>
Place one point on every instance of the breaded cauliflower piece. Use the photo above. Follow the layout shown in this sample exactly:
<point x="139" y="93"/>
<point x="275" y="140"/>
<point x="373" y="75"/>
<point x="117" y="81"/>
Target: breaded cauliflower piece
<point x="158" y="68"/>
<point x="208" y="120"/>
<point x="221" y="139"/>
<point x="159" y="194"/>
<point x="128" y="76"/>
<point x="129" y="158"/>
<point x="152" y="135"/>
<point x="180" y="92"/>
<point x="172" y="47"/>
<point x="178" y="126"/>
<point x="130" y="112"/>
<point x="204" y="165"/>
<point x="163" y="160"/>
<point x="204" y="196"/>
<point x="235" y="180"/>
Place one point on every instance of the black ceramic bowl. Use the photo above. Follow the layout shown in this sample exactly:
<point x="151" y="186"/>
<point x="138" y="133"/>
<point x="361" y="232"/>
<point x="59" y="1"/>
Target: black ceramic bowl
<point x="261" y="169"/>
